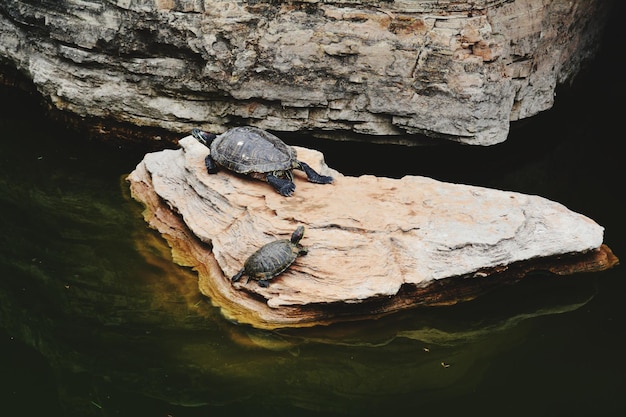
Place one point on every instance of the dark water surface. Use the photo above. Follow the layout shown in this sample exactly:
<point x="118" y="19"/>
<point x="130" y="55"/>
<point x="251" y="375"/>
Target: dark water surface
<point x="96" y="319"/>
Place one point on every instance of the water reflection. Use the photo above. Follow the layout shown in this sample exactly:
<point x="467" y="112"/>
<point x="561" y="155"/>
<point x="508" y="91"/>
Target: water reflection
<point x="124" y="329"/>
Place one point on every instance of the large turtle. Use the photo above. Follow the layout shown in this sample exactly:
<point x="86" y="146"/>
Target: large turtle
<point x="252" y="151"/>
<point x="272" y="259"/>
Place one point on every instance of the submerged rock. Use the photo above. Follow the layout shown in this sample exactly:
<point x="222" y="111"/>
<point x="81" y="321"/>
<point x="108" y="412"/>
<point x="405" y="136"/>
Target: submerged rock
<point x="375" y="245"/>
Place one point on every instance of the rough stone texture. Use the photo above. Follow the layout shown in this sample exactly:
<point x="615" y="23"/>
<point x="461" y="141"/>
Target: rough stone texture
<point x="385" y="69"/>
<point x="374" y="243"/>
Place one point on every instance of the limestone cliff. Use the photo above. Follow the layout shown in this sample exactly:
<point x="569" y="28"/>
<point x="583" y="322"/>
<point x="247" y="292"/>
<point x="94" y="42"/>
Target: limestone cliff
<point x="385" y="69"/>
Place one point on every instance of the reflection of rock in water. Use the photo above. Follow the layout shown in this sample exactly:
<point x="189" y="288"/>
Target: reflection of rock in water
<point x="498" y="323"/>
<point x="149" y="333"/>
<point x="137" y="324"/>
<point x="499" y="311"/>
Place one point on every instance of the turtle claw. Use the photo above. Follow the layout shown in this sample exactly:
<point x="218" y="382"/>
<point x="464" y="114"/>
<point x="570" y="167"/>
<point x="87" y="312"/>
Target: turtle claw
<point x="287" y="190"/>
<point x="284" y="186"/>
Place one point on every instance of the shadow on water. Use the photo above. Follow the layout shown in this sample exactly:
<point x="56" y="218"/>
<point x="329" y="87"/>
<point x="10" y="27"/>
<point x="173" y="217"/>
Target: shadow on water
<point x="96" y="319"/>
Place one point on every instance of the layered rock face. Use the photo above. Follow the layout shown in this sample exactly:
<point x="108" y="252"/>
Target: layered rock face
<point x="347" y="68"/>
<point x="375" y="245"/>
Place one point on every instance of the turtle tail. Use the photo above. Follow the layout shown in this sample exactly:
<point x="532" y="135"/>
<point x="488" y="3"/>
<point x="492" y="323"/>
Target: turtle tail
<point x="237" y="276"/>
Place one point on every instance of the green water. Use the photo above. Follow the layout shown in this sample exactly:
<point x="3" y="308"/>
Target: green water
<point x="96" y="320"/>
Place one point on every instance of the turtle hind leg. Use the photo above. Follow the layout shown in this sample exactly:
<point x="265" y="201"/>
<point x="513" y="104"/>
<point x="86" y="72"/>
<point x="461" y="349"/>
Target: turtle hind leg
<point x="313" y="176"/>
<point x="263" y="283"/>
<point x="284" y="186"/>
<point x="238" y="275"/>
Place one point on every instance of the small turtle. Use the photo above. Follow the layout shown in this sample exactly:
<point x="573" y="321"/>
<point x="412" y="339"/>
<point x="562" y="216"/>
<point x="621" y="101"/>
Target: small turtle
<point x="272" y="259"/>
<point x="252" y="151"/>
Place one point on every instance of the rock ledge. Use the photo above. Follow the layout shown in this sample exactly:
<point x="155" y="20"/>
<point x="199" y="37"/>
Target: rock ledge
<point x="387" y="71"/>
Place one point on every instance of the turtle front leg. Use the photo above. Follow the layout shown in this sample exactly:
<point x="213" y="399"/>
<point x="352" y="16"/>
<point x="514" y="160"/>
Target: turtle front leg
<point x="211" y="165"/>
<point x="284" y="186"/>
<point x="263" y="283"/>
<point x="313" y="176"/>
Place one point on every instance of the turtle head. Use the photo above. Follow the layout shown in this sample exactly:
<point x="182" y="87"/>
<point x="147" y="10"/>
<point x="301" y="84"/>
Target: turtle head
<point x="202" y="136"/>
<point x="297" y="234"/>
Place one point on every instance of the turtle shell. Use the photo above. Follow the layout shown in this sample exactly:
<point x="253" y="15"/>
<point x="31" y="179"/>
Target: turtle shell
<point x="271" y="259"/>
<point x="248" y="149"/>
